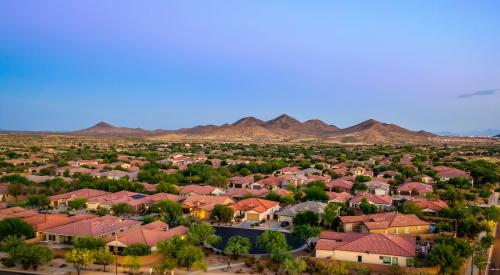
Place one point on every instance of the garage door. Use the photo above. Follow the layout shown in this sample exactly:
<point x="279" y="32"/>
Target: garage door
<point x="252" y="217"/>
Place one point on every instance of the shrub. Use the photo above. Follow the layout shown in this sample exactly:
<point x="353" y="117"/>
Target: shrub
<point x="138" y="249"/>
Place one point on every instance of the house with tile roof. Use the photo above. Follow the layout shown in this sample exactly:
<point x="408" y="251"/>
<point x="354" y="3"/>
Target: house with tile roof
<point x="342" y="197"/>
<point x="340" y="185"/>
<point x="255" y="209"/>
<point x="378" y="187"/>
<point x="413" y="189"/>
<point x="136" y="200"/>
<point x="382" y="202"/>
<point x="388" y="223"/>
<point x="86" y="193"/>
<point x="149" y="234"/>
<point x="194" y="189"/>
<point x="371" y="248"/>
<point x="289" y="212"/>
<point x="99" y="227"/>
<point x="16" y="212"/>
<point x="445" y="173"/>
<point x="200" y="206"/>
<point x="42" y="222"/>
<point x="428" y="206"/>
<point x="241" y="182"/>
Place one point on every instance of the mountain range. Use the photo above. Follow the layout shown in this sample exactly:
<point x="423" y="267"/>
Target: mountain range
<point x="479" y="133"/>
<point x="282" y="128"/>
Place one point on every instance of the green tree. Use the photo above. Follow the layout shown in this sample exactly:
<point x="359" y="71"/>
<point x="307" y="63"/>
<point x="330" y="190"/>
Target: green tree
<point x="80" y="258"/>
<point x="492" y="213"/>
<point x="132" y="264"/>
<point x="190" y="255"/>
<point x="103" y="257"/>
<point x="38" y="201"/>
<point x="222" y="213"/>
<point x="137" y="249"/>
<point x="200" y="233"/>
<point x="170" y="248"/>
<point x="237" y="246"/>
<point x="367" y="208"/>
<point x="449" y="253"/>
<point x="329" y="217"/>
<point x="305" y="231"/>
<point x="270" y="239"/>
<point x="280" y="254"/>
<point x="164" y="187"/>
<point x="15" y="227"/>
<point x="31" y="255"/>
<point x="293" y="266"/>
<point x="315" y="193"/>
<point x="170" y="211"/>
<point x="410" y="208"/>
<point x="306" y="217"/>
<point x="77" y="203"/>
<point x="122" y="209"/>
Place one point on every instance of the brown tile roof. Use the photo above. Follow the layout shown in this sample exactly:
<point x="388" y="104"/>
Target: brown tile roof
<point x="340" y="183"/>
<point x="206" y="203"/>
<point x="415" y="186"/>
<point x="85" y="193"/>
<point x="148" y="235"/>
<point x="383" y="200"/>
<point x="341" y="197"/>
<point x="198" y="189"/>
<point x="373" y="243"/>
<point x="255" y="204"/>
<point x="95" y="227"/>
<point x="434" y="205"/>
<point x="385" y="220"/>
<point x="16" y="212"/>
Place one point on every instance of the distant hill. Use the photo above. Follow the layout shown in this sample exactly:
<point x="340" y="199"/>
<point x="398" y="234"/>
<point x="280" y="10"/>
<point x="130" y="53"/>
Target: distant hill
<point x="480" y="133"/>
<point x="285" y="127"/>
<point x="281" y="128"/>
<point x="498" y="136"/>
<point x="104" y="128"/>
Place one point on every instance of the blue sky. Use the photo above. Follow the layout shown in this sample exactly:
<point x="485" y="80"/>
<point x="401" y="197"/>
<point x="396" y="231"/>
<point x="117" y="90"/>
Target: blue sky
<point x="65" y="65"/>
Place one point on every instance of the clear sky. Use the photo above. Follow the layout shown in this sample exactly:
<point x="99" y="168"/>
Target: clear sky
<point x="65" y="65"/>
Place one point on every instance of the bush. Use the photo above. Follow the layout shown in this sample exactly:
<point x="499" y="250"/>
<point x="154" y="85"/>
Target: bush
<point x="137" y="250"/>
<point x="250" y="261"/>
<point x="259" y="267"/>
<point x="8" y="262"/>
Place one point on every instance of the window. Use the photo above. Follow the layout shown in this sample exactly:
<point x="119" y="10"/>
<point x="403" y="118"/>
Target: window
<point x="52" y="237"/>
<point x="360" y="259"/>
<point x="395" y="260"/>
<point x="407" y="230"/>
<point x="386" y="260"/>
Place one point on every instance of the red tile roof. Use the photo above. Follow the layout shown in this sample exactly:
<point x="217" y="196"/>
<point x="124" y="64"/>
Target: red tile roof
<point x="373" y="243"/>
<point x="255" y="204"/>
<point x="385" y="220"/>
<point x="95" y="227"/>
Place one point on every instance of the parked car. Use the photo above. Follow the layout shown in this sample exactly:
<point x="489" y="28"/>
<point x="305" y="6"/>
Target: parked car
<point x="284" y="224"/>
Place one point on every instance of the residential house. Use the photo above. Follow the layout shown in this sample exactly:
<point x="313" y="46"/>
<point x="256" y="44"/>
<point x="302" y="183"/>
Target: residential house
<point x="287" y="171"/>
<point x="194" y="189"/>
<point x="340" y="185"/>
<point x="445" y="173"/>
<point x="99" y="227"/>
<point x="341" y="197"/>
<point x="16" y="212"/>
<point x="200" y="206"/>
<point x="86" y="193"/>
<point x="241" y="182"/>
<point x="382" y="202"/>
<point x="255" y="209"/>
<point x="428" y="206"/>
<point x="378" y="187"/>
<point x="370" y="248"/>
<point x="289" y="212"/>
<point x="136" y="200"/>
<point x="149" y="234"/>
<point x="42" y="222"/>
<point x="388" y="223"/>
<point x="413" y="189"/>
